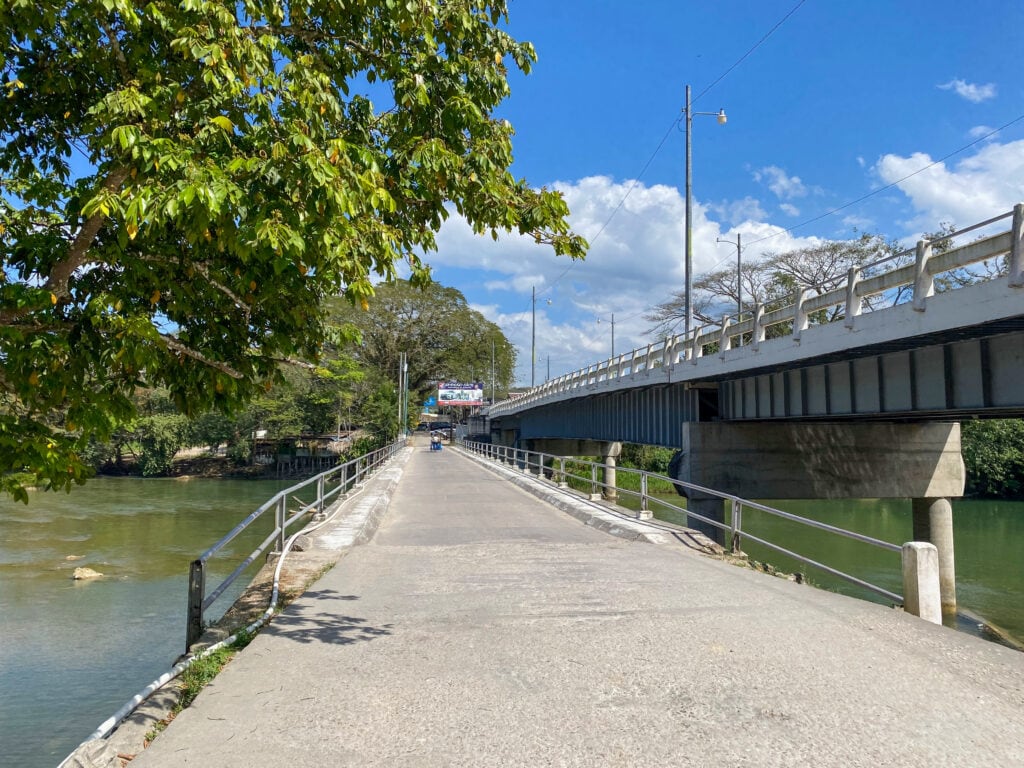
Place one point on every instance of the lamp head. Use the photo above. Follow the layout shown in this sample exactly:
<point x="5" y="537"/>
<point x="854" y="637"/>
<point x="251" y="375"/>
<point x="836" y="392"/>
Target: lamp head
<point x="722" y="119"/>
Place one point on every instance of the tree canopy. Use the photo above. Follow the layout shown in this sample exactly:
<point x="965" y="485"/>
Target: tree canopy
<point x="771" y="280"/>
<point x="441" y="335"/>
<point x="183" y="183"/>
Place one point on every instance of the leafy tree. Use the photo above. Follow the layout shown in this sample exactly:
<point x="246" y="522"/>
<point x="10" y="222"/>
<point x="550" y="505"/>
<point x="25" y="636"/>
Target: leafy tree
<point x="185" y="181"/>
<point x="442" y="337"/>
<point x="379" y="412"/>
<point x="159" y="437"/>
<point x="993" y="451"/>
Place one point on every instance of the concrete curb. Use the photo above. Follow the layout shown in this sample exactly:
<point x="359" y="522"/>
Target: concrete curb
<point x="598" y="515"/>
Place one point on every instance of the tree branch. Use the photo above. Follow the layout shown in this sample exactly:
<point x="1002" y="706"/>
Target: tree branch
<point x="177" y="346"/>
<point x="61" y="273"/>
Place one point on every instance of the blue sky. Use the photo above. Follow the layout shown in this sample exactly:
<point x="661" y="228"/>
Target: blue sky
<point x="840" y="101"/>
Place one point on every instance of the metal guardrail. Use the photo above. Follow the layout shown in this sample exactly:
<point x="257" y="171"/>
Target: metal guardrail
<point x="544" y="466"/>
<point x="848" y="300"/>
<point x="335" y="482"/>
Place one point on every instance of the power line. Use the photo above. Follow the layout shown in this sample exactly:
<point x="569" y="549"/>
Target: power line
<point x="890" y="185"/>
<point x="745" y="55"/>
<point x="668" y="132"/>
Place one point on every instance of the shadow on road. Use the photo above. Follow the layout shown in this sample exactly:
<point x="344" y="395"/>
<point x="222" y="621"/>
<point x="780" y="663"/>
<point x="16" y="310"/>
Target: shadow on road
<point x="313" y="623"/>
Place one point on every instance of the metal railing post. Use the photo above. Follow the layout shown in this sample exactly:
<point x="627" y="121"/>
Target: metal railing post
<point x="320" y="495"/>
<point x="737" y="526"/>
<point x="593" y="480"/>
<point x="282" y="515"/>
<point x="562" y="482"/>
<point x="196" y="595"/>
<point x="644" y="513"/>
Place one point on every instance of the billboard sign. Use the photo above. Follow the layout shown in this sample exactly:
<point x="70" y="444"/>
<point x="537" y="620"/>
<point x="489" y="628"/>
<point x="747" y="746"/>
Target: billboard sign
<point x="459" y="393"/>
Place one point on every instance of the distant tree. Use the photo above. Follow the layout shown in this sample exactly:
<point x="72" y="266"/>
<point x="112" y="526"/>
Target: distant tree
<point x="993" y="451"/>
<point x="182" y="183"/>
<point x="443" y="338"/>
<point x="159" y="437"/>
<point x="771" y="281"/>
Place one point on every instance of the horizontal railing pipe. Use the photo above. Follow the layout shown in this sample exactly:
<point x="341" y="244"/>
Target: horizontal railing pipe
<point x="734" y="528"/>
<point x="199" y="600"/>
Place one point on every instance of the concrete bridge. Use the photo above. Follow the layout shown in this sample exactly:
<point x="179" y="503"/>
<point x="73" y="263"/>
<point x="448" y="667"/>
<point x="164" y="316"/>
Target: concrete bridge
<point x="855" y="392"/>
<point x="483" y="626"/>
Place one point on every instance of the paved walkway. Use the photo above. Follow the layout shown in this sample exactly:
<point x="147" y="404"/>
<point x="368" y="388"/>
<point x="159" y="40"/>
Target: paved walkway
<point x="482" y="627"/>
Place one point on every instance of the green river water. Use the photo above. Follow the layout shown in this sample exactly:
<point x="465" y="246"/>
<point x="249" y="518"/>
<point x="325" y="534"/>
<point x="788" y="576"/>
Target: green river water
<point x="72" y="653"/>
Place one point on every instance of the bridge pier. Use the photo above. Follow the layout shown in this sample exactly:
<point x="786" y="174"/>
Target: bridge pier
<point x="607" y="450"/>
<point x="830" y="460"/>
<point x="933" y="521"/>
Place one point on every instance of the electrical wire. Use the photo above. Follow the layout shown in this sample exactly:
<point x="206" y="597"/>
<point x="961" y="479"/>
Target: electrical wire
<point x="756" y="45"/>
<point x="668" y="132"/>
<point x="890" y="185"/>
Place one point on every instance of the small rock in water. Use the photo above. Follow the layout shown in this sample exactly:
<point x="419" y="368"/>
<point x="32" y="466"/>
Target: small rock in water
<point x="85" y="573"/>
<point x="74" y="557"/>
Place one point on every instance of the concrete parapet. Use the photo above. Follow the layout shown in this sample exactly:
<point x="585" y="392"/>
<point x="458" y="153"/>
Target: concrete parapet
<point x="921" y="595"/>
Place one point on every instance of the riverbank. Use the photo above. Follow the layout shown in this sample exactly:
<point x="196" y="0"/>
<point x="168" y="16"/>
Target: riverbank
<point x="190" y="465"/>
<point x="352" y="520"/>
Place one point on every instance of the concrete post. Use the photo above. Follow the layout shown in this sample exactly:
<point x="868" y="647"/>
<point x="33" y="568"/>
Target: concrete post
<point x="933" y="522"/>
<point x="921" y="594"/>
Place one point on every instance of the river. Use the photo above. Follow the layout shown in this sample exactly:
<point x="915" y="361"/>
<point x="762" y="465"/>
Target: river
<point x="72" y="653"/>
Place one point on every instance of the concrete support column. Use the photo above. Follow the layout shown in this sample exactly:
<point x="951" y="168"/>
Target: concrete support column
<point x="933" y="522"/>
<point x="709" y="507"/>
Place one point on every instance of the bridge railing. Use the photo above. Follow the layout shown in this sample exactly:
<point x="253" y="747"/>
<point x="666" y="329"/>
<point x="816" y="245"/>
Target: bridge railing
<point x="588" y="476"/>
<point x="906" y="276"/>
<point x="289" y="509"/>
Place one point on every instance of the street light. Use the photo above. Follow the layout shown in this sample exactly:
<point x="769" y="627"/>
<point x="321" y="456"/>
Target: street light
<point x="601" y="320"/>
<point x="739" y="266"/>
<point x="533" y="340"/>
<point x="688" y="113"/>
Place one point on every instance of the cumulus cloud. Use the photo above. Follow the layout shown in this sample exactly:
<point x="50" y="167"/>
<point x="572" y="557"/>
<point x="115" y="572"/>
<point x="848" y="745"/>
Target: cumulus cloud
<point x="736" y="211"/>
<point x="789" y="209"/>
<point x="971" y="91"/>
<point x="635" y="262"/>
<point x="981" y="132"/>
<point x="784" y="187"/>
<point x="986" y="184"/>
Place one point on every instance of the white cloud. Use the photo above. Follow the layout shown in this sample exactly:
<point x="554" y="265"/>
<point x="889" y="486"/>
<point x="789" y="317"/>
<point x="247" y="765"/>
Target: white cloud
<point x="736" y="211"/>
<point x="986" y="184"/>
<point x="981" y="131"/>
<point x="970" y="91"/>
<point x="635" y="262"/>
<point x="783" y="186"/>
<point x="789" y="209"/>
<point x="861" y="223"/>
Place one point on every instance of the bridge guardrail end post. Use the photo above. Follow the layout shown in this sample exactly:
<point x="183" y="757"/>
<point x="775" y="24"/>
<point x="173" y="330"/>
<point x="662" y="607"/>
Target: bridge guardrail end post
<point x="921" y="595"/>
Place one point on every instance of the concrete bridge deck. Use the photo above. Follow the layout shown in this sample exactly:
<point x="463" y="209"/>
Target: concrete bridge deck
<point x="483" y="627"/>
